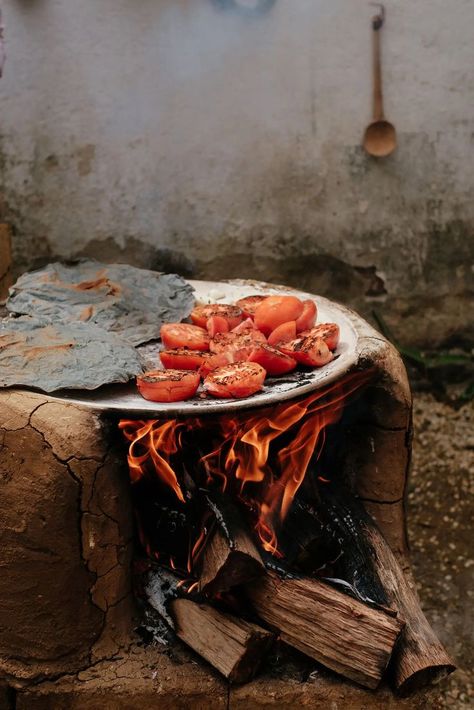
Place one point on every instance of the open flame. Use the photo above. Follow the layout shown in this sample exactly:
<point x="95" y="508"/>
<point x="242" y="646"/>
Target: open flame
<point x="261" y="458"/>
<point x="159" y="443"/>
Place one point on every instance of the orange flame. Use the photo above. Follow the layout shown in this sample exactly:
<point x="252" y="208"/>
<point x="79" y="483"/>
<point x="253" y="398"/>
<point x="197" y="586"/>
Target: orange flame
<point x="155" y="440"/>
<point x="261" y="457"/>
<point x="197" y="548"/>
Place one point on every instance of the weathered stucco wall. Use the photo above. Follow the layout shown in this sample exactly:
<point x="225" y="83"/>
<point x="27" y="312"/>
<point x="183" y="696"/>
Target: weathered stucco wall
<point x="173" y="134"/>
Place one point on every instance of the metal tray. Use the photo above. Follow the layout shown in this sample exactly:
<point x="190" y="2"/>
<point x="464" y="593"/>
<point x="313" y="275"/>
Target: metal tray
<point x="125" y="398"/>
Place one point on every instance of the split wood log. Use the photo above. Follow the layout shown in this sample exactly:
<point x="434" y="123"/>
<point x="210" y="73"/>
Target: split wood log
<point x="419" y="658"/>
<point x="225" y="567"/>
<point x="323" y="541"/>
<point x="234" y="646"/>
<point x="230" y="557"/>
<point x="343" y="634"/>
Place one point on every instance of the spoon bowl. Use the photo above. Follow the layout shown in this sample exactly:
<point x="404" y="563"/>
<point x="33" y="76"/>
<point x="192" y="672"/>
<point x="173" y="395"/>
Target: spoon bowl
<point x="380" y="138"/>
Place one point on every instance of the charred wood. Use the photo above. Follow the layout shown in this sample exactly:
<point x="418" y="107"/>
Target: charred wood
<point x="327" y="542"/>
<point x="419" y="658"/>
<point x="230" y="557"/>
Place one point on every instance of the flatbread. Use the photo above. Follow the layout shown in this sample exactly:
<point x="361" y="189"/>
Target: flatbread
<point x="122" y="299"/>
<point x="49" y="357"/>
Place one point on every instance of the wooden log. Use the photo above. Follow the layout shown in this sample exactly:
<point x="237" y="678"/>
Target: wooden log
<point x="326" y="542"/>
<point x="230" y="557"/>
<point x="233" y="646"/>
<point x="225" y="567"/>
<point x="419" y="658"/>
<point x="343" y="634"/>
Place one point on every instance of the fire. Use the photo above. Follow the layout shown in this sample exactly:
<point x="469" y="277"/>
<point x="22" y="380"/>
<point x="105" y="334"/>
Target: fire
<point x="260" y="458"/>
<point x="157" y="443"/>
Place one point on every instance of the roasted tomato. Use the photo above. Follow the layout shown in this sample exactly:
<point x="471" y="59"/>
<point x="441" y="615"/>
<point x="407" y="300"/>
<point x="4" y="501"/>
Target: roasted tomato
<point x="211" y="361"/>
<point x="275" y="310"/>
<point x="241" y="379"/>
<point x="182" y="359"/>
<point x="308" y="350"/>
<point x="231" y="342"/>
<point x="184" y="335"/>
<point x="249" y="304"/>
<point x="217" y="324"/>
<point x="308" y="318"/>
<point x="244" y="327"/>
<point x="168" y="385"/>
<point x="272" y="360"/>
<point x="282" y="334"/>
<point x="232" y="314"/>
<point x="329" y="332"/>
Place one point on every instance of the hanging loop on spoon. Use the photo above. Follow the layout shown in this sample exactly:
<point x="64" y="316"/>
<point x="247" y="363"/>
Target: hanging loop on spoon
<point x="378" y="20"/>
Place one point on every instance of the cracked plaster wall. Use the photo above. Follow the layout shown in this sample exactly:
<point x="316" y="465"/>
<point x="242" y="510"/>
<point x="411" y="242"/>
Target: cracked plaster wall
<point x="174" y="135"/>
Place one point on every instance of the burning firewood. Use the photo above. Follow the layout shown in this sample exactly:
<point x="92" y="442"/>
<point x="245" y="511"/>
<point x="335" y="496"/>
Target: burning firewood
<point x="328" y="543"/>
<point x="333" y="587"/>
<point x="351" y="638"/>
<point x="234" y="646"/>
<point x="230" y="557"/>
<point x="419" y="657"/>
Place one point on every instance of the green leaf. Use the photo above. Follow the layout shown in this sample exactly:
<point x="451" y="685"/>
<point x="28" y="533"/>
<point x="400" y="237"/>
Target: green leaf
<point x="468" y="393"/>
<point x="415" y="356"/>
<point x="444" y="359"/>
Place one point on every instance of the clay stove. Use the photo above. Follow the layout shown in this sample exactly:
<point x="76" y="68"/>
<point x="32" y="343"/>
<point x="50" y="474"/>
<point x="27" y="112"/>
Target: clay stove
<point x="66" y="601"/>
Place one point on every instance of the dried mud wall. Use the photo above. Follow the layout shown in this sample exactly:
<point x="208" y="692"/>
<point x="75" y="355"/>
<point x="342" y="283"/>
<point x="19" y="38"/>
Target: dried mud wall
<point x="180" y="135"/>
<point x="65" y="540"/>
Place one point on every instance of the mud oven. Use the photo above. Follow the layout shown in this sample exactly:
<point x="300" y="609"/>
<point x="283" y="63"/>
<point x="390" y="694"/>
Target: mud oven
<point x="318" y="574"/>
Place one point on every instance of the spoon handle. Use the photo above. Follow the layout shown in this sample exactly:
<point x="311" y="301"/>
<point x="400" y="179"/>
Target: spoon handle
<point x="377" y="71"/>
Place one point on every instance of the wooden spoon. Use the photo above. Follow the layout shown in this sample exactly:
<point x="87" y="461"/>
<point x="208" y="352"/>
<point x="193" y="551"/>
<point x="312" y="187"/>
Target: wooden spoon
<point x="380" y="138"/>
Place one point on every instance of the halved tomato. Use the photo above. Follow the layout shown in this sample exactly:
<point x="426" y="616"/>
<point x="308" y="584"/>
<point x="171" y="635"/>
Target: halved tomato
<point x="240" y="379"/>
<point x="168" y="385"/>
<point x="249" y="304"/>
<point x="275" y="310"/>
<point x="184" y="335"/>
<point x="282" y="334"/>
<point x="329" y="332"/>
<point x="244" y="327"/>
<point x="182" y="359"/>
<point x="232" y="314"/>
<point x="211" y="361"/>
<point x="308" y="350"/>
<point x="230" y="342"/>
<point x="272" y="360"/>
<point x="217" y="324"/>
<point x="308" y="318"/>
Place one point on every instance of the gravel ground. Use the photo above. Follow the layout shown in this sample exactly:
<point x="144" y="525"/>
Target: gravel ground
<point x="440" y="511"/>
